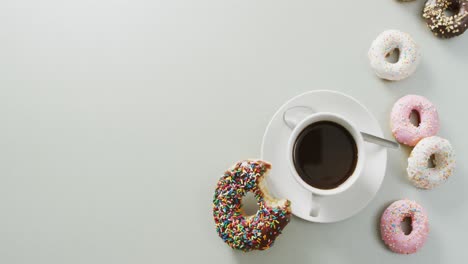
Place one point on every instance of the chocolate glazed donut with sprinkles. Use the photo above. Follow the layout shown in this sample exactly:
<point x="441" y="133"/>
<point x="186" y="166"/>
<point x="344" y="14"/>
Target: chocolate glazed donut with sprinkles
<point x="255" y="232"/>
<point x="443" y="25"/>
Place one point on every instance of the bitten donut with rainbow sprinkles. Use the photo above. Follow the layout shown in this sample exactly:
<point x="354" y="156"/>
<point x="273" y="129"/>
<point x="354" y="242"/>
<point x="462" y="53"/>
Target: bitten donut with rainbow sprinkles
<point x="402" y="128"/>
<point x="255" y="232"/>
<point x="390" y="227"/>
<point x="424" y="176"/>
<point x="386" y="43"/>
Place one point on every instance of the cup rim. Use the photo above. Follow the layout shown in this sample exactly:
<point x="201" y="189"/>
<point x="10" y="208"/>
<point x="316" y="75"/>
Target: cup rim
<point x="355" y="133"/>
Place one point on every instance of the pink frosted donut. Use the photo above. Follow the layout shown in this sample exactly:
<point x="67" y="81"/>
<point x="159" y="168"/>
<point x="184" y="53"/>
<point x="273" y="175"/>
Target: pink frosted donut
<point x="390" y="227"/>
<point x="402" y="128"/>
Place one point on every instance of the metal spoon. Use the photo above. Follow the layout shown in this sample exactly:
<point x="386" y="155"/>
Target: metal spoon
<point x="380" y="141"/>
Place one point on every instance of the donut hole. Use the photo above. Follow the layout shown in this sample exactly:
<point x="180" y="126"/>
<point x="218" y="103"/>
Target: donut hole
<point x="451" y="11"/>
<point x="406" y="226"/>
<point x="249" y="204"/>
<point x="414" y="118"/>
<point x="393" y="56"/>
<point x="431" y="162"/>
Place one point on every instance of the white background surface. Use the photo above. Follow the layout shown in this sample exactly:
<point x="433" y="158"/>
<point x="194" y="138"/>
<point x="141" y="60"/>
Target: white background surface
<point x="118" y="117"/>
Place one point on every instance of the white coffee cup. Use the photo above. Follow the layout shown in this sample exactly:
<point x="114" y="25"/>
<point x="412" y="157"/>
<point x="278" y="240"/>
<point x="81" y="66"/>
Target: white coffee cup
<point x="298" y="118"/>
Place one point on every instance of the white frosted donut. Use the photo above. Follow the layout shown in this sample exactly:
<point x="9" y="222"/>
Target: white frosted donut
<point x="387" y="42"/>
<point x="419" y="172"/>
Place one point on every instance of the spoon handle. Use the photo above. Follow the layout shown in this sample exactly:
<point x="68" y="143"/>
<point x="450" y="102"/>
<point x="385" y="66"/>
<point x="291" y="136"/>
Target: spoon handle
<point x="380" y="141"/>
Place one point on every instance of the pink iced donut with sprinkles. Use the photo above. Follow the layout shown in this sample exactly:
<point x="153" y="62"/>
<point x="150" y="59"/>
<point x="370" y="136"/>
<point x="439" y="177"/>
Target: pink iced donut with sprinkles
<point x="402" y="128"/>
<point x="390" y="227"/>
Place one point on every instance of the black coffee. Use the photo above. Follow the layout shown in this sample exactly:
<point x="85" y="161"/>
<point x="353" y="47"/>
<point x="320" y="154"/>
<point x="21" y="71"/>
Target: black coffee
<point x="325" y="155"/>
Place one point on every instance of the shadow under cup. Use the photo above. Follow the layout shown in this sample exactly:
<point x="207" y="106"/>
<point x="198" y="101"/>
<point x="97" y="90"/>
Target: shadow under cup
<point x="325" y="154"/>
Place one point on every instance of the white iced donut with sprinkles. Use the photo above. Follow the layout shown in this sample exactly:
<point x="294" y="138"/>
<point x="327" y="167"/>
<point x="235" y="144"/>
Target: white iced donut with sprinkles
<point x="438" y="150"/>
<point x="392" y="233"/>
<point x="388" y="42"/>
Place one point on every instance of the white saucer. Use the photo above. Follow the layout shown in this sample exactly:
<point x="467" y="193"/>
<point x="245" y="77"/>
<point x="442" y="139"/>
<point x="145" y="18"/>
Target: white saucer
<point x="283" y="185"/>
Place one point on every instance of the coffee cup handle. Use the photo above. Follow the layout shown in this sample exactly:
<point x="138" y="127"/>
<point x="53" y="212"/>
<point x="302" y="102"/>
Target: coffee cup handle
<point x="315" y="207"/>
<point x="295" y="115"/>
